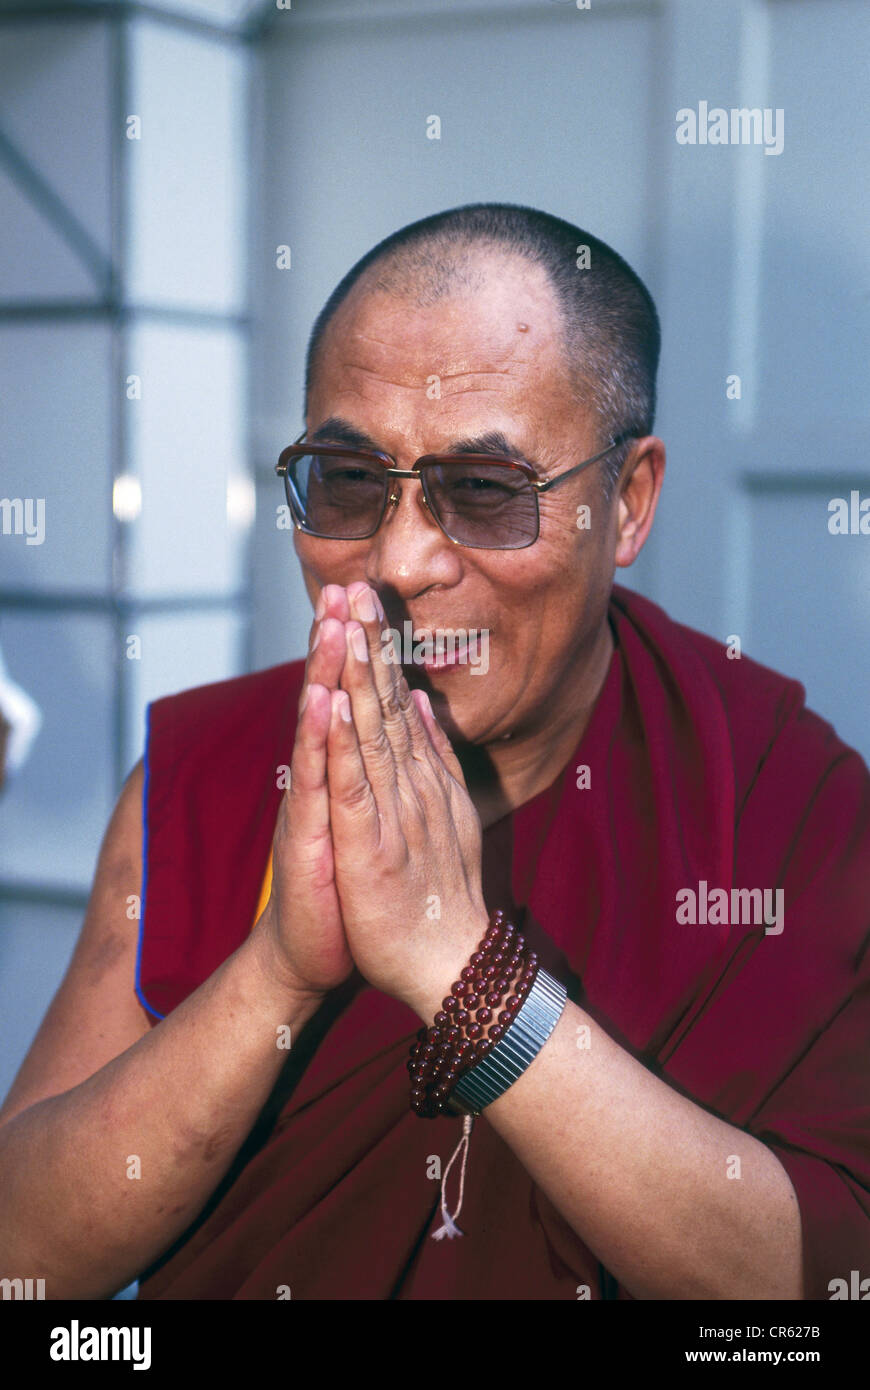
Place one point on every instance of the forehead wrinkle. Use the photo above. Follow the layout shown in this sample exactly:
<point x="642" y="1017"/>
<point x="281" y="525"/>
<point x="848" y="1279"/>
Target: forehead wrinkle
<point x="423" y="382"/>
<point x="374" y="371"/>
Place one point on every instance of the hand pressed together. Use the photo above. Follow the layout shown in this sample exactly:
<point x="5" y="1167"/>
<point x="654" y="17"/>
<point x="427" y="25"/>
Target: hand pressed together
<point x="377" y="850"/>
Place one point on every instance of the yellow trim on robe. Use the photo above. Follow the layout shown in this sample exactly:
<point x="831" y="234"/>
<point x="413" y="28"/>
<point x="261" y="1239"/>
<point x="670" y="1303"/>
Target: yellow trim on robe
<point x="264" y="891"/>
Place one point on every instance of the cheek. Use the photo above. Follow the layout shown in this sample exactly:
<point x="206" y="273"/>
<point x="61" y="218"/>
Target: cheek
<point x="579" y="527"/>
<point x="328" y="562"/>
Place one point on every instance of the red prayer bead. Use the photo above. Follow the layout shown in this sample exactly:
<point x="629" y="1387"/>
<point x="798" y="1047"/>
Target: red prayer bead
<point x="463" y="1032"/>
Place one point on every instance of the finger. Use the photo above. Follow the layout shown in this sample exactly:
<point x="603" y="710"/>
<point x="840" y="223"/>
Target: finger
<point x="331" y="603"/>
<point x="353" y="810"/>
<point x="305" y="805"/>
<point x="388" y="679"/>
<point x="326" y="654"/>
<point x="440" y="742"/>
<point x="380" y="756"/>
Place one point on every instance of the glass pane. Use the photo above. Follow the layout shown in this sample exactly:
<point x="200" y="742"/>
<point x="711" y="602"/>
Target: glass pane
<point x="36" y="942"/>
<point x="56" y="79"/>
<point x="186" y="449"/>
<point x="187" y="169"/>
<point x="37" y="263"/>
<point x="54" y="812"/>
<point x="808" y="605"/>
<point x="57" y="384"/>
<point x="178" y="651"/>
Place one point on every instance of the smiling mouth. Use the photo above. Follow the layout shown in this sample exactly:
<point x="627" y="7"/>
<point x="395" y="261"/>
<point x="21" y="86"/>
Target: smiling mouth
<point x="444" y="649"/>
<point x="442" y="660"/>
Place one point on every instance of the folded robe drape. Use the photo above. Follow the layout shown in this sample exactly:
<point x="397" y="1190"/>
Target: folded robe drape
<point x="701" y="771"/>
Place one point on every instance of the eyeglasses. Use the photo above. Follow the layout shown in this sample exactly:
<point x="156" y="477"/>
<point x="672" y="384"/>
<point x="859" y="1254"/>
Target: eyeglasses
<point x="485" y="501"/>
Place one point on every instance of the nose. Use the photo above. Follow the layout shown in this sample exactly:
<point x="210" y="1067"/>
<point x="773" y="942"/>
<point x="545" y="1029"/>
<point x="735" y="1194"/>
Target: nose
<point x="410" y="553"/>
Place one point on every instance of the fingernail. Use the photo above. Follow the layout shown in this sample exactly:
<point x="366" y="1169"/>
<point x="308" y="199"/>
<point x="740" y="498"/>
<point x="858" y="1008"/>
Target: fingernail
<point x="344" y="706"/>
<point x="359" y="644"/>
<point x="365" y="606"/>
<point x="320" y="607"/>
<point x="304" y="700"/>
<point x="427" y="703"/>
<point x="316" y="639"/>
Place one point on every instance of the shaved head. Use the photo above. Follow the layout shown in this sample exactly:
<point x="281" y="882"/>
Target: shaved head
<point x="609" y="325"/>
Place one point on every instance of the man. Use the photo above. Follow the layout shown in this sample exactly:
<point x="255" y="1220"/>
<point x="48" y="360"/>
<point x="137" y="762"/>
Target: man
<point x="696" y="1124"/>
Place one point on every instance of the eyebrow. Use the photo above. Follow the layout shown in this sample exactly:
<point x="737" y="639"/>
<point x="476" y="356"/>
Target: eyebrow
<point x="336" y="430"/>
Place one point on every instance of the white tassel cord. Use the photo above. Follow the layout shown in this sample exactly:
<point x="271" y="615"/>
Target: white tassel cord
<point x="450" y="1228"/>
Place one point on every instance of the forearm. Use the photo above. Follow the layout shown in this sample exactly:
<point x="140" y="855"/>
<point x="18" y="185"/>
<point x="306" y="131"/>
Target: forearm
<point x="181" y="1100"/>
<point x="647" y="1178"/>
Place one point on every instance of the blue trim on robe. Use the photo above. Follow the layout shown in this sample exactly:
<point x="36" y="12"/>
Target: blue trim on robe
<point x="142" y="1000"/>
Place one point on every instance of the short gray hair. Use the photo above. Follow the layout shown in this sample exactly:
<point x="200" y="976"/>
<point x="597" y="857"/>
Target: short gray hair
<point x="611" y="327"/>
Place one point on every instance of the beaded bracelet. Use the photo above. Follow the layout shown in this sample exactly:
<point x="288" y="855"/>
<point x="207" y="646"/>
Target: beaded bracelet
<point x="481" y="1005"/>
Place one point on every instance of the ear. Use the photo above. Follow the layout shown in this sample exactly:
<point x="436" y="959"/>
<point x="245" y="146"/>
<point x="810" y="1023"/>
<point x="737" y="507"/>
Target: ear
<point x="638" y="498"/>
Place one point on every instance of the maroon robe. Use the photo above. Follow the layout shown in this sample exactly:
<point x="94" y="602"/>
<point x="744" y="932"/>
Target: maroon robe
<point x="703" y="770"/>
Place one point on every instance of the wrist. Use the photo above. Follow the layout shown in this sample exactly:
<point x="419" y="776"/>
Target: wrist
<point x="277" y="972"/>
<point x="433" y="983"/>
<point x="483" y="1004"/>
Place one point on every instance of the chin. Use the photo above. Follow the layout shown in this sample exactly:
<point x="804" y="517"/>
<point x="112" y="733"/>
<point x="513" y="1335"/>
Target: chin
<point x="463" y="721"/>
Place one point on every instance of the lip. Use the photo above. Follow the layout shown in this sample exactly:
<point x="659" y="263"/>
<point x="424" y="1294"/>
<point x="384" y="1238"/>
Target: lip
<point x="453" y="656"/>
<point x="445" y="662"/>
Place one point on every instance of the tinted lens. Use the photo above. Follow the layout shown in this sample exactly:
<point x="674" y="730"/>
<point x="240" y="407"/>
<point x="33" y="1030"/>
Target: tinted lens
<point x="337" y="495"/>
<point x="487" y="505"/>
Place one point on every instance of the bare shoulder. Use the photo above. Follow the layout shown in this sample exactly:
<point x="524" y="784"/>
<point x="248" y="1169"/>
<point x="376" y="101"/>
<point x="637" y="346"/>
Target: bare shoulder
<point x="95" y="1014"/>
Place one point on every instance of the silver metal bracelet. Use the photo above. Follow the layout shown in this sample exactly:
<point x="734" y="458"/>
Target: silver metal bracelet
<point x="514" y="1052"/>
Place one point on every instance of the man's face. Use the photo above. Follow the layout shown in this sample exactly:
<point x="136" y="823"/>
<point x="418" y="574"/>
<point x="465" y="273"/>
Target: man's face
<point x="498" y="358"/>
